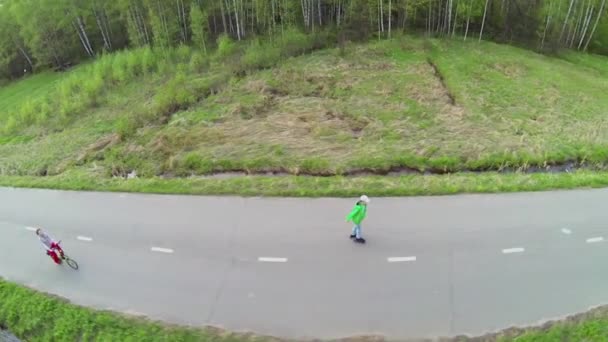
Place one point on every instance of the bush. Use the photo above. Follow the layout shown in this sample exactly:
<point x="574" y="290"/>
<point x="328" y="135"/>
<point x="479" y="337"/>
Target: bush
<point x="294" y="42"/>
<point x="198" y="63"/>
<point x="182" y="54"/>
<point x="11" y="125"/>
<point x="259" y="55"/>
<point x="174" y="96"/>
<point x="126" y="126"/>
<point x="192" y="162"/>
<point x="149" y="61"/>
<point x="225" y="47"/>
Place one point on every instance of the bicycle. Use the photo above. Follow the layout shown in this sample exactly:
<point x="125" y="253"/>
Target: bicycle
<point x="69" y="261"/>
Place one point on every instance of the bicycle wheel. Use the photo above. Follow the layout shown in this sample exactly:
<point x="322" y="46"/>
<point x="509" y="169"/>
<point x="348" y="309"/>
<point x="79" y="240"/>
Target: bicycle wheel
<point x="72" y="263"/>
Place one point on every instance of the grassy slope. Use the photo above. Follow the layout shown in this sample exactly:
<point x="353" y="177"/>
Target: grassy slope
<point x="34" y="316"/>
<point x="379" y="106"/>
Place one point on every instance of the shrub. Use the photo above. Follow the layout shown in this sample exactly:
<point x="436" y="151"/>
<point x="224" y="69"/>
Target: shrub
<point x="225" y="47"/>
<point x="174" y="96"/>
<point x="259" y="55"/>
<point x="294" y="42"/>
<point x="198" y="63"/>
<point x="126" y="126"/>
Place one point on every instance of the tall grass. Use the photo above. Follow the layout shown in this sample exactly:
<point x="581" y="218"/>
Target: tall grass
<point x="83" y="88"/>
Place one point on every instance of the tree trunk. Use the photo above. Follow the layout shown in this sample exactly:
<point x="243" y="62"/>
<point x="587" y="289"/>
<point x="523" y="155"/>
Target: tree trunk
<point x="106" y="44"/>
<point x="405" y="13"/>
<point x="380" y="17"/>
<point x="26" y="56"/>
<point x="466" y="32"/>
<point x="223" y="16"/>
<point x="85" y="36"/>
<point x="483" y="21"/>
<point x="243" y="19"/>
<point x="597" y="20"/>
<point x="236" y="11"/>
<point x="430" y="15"/>
<point x="455" y="19"/>
<point x="320" y="15"/>
<point x="542" y="43"/>
<point x="447" y="29"/>
<point x="561" y="35"/>
<point x="339" y="12"/>
<point x="304" y="15"/>
<point x="578" y="26"/>
<point x="390" y="17"/>
<point x="438" y="17"/>
<point x="586" y="26"/>
<point x="82" y="41"/>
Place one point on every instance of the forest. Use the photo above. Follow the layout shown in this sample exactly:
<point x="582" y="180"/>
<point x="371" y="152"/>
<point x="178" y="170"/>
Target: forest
<point x="41" y="34"/>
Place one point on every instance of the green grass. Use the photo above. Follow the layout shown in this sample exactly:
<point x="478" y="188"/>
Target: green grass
<point x="305" y="186"/>
<point x="280" y="107"/>
<point x="33" y="87"/>
<point x="33" y="316"/>
<point x="589" y="326"/>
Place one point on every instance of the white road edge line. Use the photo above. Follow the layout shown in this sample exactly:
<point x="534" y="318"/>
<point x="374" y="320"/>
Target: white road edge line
<point x="31" y="229"/>
<point x="513" y="250"/>
<point x="268" y="259"/>
<point x="595" y="239"/>
<point x="161" y="250"/>
<point x="84" y="238"/>
<point x="566" y="231"/>
<point x="401" y="259"/>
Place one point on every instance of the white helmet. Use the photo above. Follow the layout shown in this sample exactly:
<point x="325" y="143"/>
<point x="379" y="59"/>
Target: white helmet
<point x="364" y="199"/>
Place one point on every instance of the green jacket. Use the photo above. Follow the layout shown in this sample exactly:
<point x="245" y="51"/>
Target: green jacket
<point x="358" y="214"/>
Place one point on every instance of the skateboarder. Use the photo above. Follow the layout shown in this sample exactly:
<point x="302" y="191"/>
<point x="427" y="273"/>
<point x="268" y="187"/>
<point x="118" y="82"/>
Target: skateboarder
<point x="357" y="215"/>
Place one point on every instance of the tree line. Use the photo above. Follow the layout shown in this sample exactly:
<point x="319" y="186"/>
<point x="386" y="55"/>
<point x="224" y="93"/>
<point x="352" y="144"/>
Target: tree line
<point x="37" y="34"/>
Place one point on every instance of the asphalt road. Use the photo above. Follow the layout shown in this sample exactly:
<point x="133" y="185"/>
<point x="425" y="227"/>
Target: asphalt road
<point x="433" y="266"/>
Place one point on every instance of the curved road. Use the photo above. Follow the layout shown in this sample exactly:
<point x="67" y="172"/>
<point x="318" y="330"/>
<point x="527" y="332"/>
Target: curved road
<point x="433" y="266"/>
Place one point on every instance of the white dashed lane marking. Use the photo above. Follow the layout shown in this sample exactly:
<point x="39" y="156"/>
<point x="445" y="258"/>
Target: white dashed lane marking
<point x="402" y="259"/>
<point x="513" y="250"/>
<point x="84" y="238"/>
<point x="161" y="250"/>
<point x="595" y="239"/>
<point x="566" y="231"/>
<point x="269" y="259"/>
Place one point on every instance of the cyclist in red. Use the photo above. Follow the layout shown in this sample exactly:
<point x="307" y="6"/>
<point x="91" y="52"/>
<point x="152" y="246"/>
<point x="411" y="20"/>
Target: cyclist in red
<point x="52" y="248"/>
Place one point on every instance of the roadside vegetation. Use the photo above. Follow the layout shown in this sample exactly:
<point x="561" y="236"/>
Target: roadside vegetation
<point x="34" y="316"/>
<point x="188" y="91"/>
<point x="406" y="106"/>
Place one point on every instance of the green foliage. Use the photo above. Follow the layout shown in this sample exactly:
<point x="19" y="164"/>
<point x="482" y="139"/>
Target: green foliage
<point x="174" y="96"/>
<point x="259" y="55"/>
<point x="294" y="42"/>
<point x="199" y="20"/>
<point x="225" y="47"/>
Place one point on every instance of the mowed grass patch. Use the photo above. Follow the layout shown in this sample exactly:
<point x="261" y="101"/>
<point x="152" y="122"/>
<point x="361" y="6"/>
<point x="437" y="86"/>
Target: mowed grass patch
<point x="33" y="87"/>
<point x="318" y="114"/>
<point x="540" y="108"/>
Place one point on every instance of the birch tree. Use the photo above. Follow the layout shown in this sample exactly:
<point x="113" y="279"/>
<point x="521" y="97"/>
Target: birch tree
<point x="600" y="13"/>
<point x="483" y="21"/>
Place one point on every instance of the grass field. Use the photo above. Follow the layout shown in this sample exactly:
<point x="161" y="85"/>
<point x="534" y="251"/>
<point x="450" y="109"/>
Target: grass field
<point x="33" y="316"/>
<point x="404" y="104"/>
